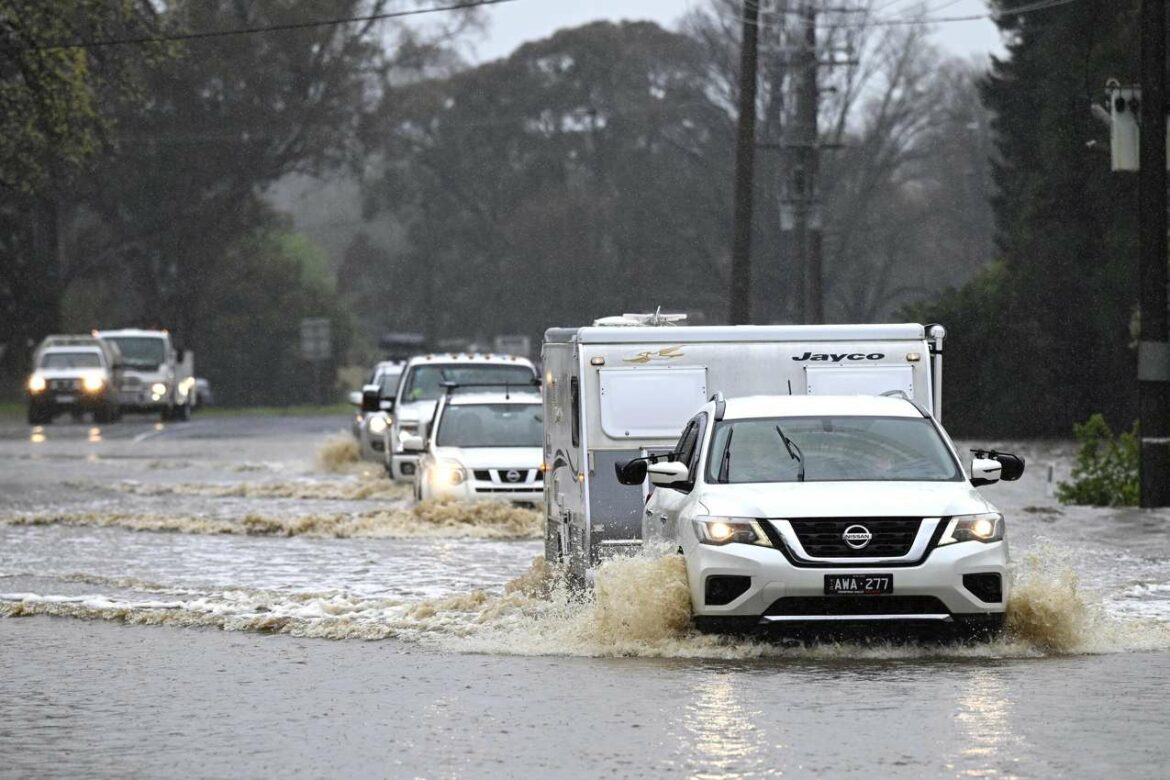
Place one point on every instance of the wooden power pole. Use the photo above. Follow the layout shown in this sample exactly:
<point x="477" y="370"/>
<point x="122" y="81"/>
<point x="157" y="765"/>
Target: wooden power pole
<point x="745" y="149"/>
<point x="1154" y="344"/>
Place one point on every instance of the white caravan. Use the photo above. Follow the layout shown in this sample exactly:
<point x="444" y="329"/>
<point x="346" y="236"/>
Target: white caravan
<point x="625" y="387"/>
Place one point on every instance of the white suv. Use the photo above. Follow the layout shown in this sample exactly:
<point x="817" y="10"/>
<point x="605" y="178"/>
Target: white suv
<point x="482" y="446"/>
<point x="829" y="513"/>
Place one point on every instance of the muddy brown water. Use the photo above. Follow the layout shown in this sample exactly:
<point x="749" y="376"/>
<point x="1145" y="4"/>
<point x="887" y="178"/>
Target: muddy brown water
<point x="139" y="652"/>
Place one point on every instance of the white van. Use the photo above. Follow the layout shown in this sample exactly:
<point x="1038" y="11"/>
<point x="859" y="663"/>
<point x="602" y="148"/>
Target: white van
<point x="624" y="388"/>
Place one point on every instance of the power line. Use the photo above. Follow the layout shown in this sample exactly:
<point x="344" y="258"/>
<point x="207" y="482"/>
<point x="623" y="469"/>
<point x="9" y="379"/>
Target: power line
<point x="1041" y="5"/>
<point x="193" y="36"/>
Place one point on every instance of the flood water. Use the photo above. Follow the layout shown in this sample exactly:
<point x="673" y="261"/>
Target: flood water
<point x="207" y="598"/>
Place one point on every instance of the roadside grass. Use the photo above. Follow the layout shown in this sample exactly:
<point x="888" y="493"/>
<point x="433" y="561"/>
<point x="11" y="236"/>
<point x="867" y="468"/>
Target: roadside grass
<point x="330" y="410"/>
<point x="10" y="410"/>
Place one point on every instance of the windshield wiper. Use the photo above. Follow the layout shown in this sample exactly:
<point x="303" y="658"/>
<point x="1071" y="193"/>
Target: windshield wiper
<point x="725" y="461"/>
<point x="794" y="453"/>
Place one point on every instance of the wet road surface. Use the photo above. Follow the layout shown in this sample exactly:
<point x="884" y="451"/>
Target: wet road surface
<point x="225" y="646"/>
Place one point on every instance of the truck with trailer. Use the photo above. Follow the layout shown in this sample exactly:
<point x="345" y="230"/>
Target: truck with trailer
<point x="157" y="377"/>
<point x="624" y="387"/>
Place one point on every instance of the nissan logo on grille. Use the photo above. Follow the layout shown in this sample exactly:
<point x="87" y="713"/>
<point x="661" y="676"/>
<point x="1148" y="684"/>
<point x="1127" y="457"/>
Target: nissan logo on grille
<point x="512" y="476"/>
<point x="857" y="536"/>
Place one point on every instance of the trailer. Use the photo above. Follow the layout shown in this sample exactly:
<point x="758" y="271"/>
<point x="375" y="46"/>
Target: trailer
<point x="625" y="386"/>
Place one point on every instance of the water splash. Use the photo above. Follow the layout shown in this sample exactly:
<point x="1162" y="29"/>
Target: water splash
<point x="367" y="486"/>
<point x="430" y="519"/>
<point x="338" y="454"/>
<point x="639" y="607"/>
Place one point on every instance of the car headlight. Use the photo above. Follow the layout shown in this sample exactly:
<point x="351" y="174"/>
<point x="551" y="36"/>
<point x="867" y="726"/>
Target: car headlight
<point x="725" y="530"/>
<point x="92" y="383"/>
<point x="378" y="424"/>
<point x="37" y="384"/>
<point x="448" y="473"/>
<point x="986" y="527"/>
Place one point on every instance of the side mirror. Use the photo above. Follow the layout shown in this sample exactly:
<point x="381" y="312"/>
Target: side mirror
<point x="1011" y="466"/>
<point x="985" y="471"/>
<point x="669" y="473"/>
<point x="631" y="472"/>
<point x="370" y="399"/>
<point x="387" y="404"/>
<point x="413" y="444"/>
<point x="355" y="398"/>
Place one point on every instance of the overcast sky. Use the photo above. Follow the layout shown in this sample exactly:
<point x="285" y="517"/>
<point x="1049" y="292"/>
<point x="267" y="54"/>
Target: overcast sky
<point x="513" y="23"/>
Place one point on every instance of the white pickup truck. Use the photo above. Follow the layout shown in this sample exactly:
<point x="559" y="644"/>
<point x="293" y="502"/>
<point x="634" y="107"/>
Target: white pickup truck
<point x="156" y="377"/>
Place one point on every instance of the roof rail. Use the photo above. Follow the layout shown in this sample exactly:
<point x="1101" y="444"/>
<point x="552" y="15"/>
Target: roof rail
<point x="451" y="387"/>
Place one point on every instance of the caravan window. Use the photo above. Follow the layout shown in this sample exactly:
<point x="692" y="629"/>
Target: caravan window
<point x="650" y="403"/>
<point x="575" y="403"/>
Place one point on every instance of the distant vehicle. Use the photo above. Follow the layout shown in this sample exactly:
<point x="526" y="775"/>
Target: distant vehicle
<point x="822" y="514"/>
<point x="518" y="345"/>
<point x="422" y="386"/>
<point x="624" y="387"/>
<point x="156" y="376"/>
<point x="374" y="412"/>
<point x="203" y="395"/>
<point x="482" y="445"/>
<point x="74" y="374"/>
<point x="396" y="346"/>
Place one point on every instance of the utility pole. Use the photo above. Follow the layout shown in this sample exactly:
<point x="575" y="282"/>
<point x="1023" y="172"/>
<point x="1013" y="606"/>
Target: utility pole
<point x="745" y="148"/>
<point x="1154" y="344"/>
<point x="806" y="167"/>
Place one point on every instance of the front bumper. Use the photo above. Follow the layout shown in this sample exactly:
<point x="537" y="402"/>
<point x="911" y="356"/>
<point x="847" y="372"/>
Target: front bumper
<point x="403" y="467"/>
<point x="70" y="401"/>
<point x="487" y="490"/>
<point x="931" y="592"/>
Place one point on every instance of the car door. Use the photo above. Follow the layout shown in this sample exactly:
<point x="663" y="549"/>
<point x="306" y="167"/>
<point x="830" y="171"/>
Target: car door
<point x="668" y="502"/>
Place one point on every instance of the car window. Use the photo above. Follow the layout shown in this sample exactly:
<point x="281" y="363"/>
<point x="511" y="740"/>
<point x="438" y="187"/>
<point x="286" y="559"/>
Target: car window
<point x="71" y="360"/>
<point x="491" y="425"/>
<point x="830" y="449"/>
<point x="425" y="382"/>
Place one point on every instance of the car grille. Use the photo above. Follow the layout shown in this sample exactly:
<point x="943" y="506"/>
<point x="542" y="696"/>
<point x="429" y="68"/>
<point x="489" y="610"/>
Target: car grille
<point x="857" y="605"/>
<point x="823" y="538"/>
<point x="501" y="475"/>
<point x="64" y="384"/>
<point x="512" y="489"/>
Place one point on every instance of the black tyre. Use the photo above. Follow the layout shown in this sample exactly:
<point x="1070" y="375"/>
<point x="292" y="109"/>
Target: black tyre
<point x="182" y="413"/>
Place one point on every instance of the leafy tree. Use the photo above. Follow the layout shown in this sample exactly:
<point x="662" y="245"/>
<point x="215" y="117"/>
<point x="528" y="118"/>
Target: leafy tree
<point x="590" y="163"/>
<point x="1049" y="329"/>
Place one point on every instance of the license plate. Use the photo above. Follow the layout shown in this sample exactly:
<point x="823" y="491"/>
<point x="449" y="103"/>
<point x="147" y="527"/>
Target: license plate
<point x="66" y="399"/>
<point x="858" y="584"/>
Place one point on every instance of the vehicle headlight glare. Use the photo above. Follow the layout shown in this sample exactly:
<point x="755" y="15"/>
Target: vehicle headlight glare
<point x="725" y="530"/>
<point x="36" y="383"/>
<point x="378" y="424"/>
<point x="158" y="388"/>
<point x="92" y="383"/>
<point x="986" y="527"/>
<point x="449" y="474"/>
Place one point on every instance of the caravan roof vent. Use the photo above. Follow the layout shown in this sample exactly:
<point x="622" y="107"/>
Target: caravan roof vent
<point x="657" y="319"/>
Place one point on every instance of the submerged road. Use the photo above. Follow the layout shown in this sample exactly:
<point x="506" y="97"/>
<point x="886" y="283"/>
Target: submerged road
<point x="209" y="599"/>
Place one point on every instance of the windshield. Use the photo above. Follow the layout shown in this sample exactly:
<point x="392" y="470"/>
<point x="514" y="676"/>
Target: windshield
<point x="830" y="449"/>
<point x="71" y="360"/>
<point x="425" y="383"/>
<point x="491" y="425"/>
<point x="141" y="351"/>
